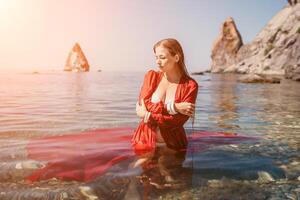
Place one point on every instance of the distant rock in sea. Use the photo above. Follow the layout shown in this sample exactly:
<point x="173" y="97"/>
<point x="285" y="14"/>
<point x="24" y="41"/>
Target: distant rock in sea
<point x="197" y="73"/>
<point x="274" y="51"/>
<point x="256" y="78"/>
<point x="76" y="61"/>
<point x="201" y="72"/>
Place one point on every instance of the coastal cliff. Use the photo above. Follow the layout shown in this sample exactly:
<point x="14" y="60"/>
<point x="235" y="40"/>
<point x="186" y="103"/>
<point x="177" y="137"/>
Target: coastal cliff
<point x="274" y="51"/>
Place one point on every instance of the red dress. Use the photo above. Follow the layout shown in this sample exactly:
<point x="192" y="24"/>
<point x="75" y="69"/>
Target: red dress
<point x="170" y="126"/>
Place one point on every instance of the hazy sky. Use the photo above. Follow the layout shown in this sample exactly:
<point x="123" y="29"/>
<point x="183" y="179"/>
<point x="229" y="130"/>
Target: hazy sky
<point x="119" y="34"/>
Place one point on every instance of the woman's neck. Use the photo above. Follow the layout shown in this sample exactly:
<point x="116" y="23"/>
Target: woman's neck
<point x="173" y="76"/>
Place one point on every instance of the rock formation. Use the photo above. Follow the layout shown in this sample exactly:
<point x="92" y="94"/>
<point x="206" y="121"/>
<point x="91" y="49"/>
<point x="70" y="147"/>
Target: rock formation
<point x="76" y="60"/>
<point x="292" y="72"/>
<point x="275" y="50"/>
<point x="226" y="46"/>
<point x="293" y="2"/>
<point x="256" y="78"/>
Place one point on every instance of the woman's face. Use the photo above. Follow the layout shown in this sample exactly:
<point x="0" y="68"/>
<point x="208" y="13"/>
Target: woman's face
<point x="164" y="60"/>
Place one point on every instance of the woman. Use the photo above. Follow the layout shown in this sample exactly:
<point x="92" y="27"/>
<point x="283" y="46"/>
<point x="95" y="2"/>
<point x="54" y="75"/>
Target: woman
<point x="166" y="101"/>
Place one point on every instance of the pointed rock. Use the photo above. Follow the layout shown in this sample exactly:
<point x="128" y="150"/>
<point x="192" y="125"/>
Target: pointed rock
<point x="226" y="46"/>
<point x="76" y="60"/>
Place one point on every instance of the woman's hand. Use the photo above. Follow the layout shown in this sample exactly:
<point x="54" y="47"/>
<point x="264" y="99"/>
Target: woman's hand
<point x="140" y="109"/>
<point x="185" y="108"/>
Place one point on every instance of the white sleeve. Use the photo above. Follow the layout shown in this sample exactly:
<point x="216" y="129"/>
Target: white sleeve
<point x="146" y="117"/>
<point x="170" y="108"/>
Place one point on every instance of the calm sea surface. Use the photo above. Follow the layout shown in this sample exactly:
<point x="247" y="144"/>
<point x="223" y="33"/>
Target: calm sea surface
<point x="32" y="105"/>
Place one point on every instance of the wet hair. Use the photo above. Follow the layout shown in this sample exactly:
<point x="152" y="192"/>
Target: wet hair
<point x="174" y="48"/>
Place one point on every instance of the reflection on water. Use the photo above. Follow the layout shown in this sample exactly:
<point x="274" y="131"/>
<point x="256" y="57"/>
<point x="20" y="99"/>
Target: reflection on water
<point x="162" y="173"/>
<point x="225" y="101"/>
<point x="64" y="103"/>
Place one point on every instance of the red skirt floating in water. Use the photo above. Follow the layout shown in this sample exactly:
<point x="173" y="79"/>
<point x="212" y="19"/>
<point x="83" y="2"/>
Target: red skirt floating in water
<point x="81" y="156"/>
<point x="87" y="155"/>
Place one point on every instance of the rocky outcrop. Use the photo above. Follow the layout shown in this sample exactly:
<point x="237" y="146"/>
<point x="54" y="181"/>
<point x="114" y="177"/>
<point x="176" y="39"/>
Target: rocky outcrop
<point x="275" y="50"/>
<point x="293" y="2"/>
<point x="292" y="72"/>
<point x="255" y="78"/>
<point x="197" y="73"/>
<point x="226" y="46"/>
<point x="76" y="60"/>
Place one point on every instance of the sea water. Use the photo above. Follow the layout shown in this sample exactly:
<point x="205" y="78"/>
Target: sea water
<point x="43" y="104"/>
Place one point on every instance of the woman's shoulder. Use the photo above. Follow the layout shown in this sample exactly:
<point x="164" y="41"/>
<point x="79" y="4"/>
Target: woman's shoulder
<point x="151" y="76"/>
<point x="152" y="72"/>
<point x="191" y="82"/>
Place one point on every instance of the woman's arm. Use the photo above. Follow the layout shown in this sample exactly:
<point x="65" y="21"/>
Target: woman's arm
<point x="179" y="119"/>
<point x="150" y="80"/>
<point x="185" y="108"/>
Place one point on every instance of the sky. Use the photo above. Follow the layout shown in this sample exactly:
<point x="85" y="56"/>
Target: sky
<point x="118" y="35"/>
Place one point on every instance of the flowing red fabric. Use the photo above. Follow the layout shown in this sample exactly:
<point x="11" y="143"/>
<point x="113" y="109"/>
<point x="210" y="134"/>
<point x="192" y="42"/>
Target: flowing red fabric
<point x="87" y="155"/>
<point x="82" y="156"/>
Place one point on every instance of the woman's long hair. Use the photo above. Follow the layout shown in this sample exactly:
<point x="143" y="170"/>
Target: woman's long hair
<point x="174" y="48"/>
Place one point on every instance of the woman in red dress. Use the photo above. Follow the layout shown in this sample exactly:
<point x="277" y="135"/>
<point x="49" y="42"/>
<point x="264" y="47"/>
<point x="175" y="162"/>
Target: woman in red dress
<point x="166" y="101"/>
